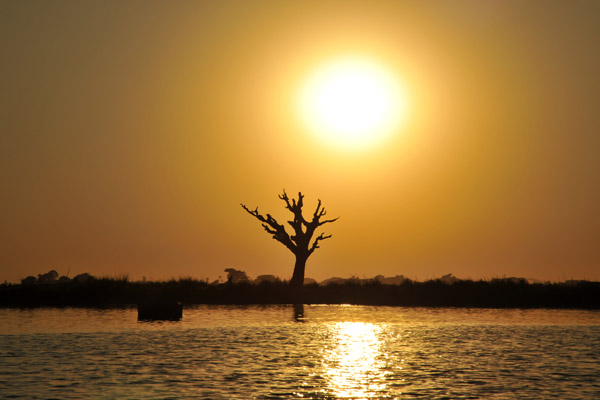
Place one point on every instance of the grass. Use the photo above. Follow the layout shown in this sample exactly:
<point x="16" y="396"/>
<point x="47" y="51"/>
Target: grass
<point x="120" y="291"/>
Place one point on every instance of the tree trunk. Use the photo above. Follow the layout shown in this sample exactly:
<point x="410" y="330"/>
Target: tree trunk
<point x="299" y="267"/>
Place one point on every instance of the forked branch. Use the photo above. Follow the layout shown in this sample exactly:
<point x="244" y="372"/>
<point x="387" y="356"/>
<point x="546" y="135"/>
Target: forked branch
<point x="300" y="241"/>
<point x="320" y="212"/>
<point x="298" y="221"/>
<point x="273" y="227"/>
<point x="315" y="244"/>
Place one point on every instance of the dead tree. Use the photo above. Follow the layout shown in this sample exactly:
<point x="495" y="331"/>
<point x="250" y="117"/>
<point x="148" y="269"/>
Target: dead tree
<point x="299" y="242"/>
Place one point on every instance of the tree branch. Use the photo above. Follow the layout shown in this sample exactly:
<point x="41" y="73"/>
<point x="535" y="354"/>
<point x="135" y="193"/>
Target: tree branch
<point x="327" y="221"/>
<point x="300" y="242"/>
<point x="320" y="212"/>
<point x="298" y="221"/>
<point x="315" y="244"/>
<point x="273" y="227"/>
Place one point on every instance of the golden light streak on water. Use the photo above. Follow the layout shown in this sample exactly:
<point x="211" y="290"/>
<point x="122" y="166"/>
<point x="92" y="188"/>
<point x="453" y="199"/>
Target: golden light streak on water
<point x="354" y="365"/>
<point x="338" y="352"/>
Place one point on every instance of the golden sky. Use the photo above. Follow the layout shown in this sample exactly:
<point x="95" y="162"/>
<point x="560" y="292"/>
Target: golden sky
<point x="131" y="131"/>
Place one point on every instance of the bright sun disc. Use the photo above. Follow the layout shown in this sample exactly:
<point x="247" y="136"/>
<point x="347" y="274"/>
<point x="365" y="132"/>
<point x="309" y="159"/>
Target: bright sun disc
<point x="352" y="103"/>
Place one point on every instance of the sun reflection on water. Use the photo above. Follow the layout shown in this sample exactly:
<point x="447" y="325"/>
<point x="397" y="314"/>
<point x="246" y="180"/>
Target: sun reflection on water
<point x="354" y="364"/>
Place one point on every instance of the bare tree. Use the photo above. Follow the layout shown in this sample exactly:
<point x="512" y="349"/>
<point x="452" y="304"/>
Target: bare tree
<point x="299" y="242"/>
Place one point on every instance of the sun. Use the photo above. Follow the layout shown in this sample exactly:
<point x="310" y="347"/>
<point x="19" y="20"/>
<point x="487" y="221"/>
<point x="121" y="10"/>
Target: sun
<point x="352" y="103"/>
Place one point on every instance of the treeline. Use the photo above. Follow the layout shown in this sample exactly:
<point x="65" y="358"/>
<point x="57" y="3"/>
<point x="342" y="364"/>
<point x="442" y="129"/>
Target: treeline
<point x="117" y="292"/>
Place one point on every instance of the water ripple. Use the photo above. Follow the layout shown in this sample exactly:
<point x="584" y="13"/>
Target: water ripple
<point x="338" y="352"/>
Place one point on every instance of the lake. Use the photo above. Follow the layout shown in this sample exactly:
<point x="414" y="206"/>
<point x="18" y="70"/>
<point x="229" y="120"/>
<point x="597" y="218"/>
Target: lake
<point x="318" y="352"/>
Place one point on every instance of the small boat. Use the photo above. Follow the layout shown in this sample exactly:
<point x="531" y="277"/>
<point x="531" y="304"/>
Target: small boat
<point x="163" y="310"/>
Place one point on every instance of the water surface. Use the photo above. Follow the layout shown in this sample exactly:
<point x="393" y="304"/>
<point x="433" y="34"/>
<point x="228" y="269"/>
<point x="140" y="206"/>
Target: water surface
<point x="326" y="352"/>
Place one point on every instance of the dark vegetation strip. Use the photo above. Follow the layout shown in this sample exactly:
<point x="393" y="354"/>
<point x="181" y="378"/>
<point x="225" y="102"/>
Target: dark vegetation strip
<point x="107" y="292"/>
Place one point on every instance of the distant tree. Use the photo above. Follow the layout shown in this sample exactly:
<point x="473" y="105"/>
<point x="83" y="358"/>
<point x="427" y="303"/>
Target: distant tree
<point x="82" y="278"/>
<point x="236" y="276"/>
<point x="48" y="277"/>
<point x="30" y="280"/>
<point x="266" y="278"/>
<point x="299" y="242"/>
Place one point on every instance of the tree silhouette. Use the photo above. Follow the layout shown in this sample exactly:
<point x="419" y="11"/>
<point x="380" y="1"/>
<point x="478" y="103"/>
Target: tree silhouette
<point x="299" y="242"/>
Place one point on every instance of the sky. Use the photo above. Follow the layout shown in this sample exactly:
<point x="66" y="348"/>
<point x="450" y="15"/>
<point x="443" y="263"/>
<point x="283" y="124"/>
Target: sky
<point x="130" y="132"/>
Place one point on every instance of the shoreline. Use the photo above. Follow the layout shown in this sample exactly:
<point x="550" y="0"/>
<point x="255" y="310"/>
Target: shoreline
<point x="115" y="293"/>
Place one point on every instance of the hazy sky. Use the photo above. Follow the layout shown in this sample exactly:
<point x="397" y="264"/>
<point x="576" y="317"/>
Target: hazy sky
<point x="131" y="131"/>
